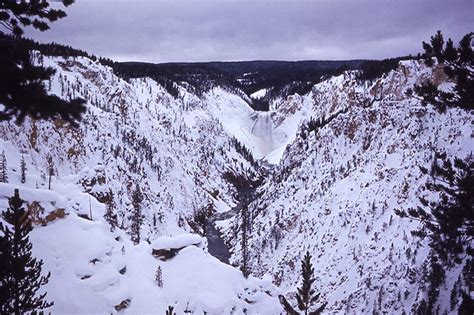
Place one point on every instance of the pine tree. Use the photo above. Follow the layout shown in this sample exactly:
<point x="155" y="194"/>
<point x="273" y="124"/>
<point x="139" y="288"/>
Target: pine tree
<point x="3" y="168"/>
<point x="20" y="273"/>
<point x="201" y="217"/>
<point x="109" y="214"/>
<point x="14" y="15"/>
<point x="22" y="89"/>
<point x="23" y="169"/>
<point x="50" y="171"/>
<point x="170" y="310"/>
<point x="244" y="243"/>
<point x="457" y="64"/>
<point x="159" y="277"/>
<point x="306" y="295"/>
<point x="448" y="223"/>
<point x="137" y="217"/>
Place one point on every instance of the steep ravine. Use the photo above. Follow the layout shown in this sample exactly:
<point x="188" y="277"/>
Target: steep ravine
<point x="335" y="189"/>
<point x="217" y="246"/>
<point x="263" y="144"/>
<point x="215" y="243"/>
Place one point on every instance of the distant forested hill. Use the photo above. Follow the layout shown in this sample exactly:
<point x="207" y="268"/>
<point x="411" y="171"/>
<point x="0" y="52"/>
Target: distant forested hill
<point x="278" y="78"/>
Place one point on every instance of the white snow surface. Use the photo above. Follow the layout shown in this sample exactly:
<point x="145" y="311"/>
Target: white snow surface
<point x="177" y="241"/>
<point x="85" y="258"/>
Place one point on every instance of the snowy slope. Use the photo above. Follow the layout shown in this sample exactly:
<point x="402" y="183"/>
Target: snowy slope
<point x="335" y="190"/>
<point x="134" y="133"/>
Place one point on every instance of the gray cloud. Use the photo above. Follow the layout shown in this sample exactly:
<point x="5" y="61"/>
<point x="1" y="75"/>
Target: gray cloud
<point x="203" y="30"/>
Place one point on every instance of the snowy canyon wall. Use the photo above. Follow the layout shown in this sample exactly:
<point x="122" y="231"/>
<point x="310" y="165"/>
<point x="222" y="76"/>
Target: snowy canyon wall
<point x="175" y="149"/>
<point x="335" y="189"/>
<point x="331" y="191"/>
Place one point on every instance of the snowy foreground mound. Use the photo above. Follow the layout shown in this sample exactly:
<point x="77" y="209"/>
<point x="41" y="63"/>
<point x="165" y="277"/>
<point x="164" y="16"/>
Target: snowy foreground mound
<point x="95" y="270"/>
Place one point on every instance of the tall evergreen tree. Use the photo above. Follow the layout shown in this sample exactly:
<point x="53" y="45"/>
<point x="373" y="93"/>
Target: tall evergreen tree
<point x="23" y="169"/>
<point x="244" y="242"/>
<point x="305" y="296"/>
<point x="50" y="171"/>
<point x="110" y="216"/>
<point x="200" y="219"/>
<point x="3" y="168"/>
<point x="136" y="217"/>
<point x="458" y="64"/>
<point x="20" y="272"/>
<point x="22" y="89"/>
<point x="448" y="223"/>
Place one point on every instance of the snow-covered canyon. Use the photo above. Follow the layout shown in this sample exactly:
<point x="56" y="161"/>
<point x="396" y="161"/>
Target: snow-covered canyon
<point x="331" y="191"/>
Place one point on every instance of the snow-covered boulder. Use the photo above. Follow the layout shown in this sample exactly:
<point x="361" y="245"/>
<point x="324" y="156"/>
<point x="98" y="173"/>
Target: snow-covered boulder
<point x="167" y="247"/>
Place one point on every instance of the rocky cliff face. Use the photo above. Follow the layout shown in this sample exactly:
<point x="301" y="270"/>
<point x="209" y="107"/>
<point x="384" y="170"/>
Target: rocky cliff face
<point x="134" y="132"/>
<point x="336" y="186"/>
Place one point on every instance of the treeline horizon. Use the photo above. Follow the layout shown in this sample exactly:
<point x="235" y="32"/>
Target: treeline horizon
<point x="281" y="78"/>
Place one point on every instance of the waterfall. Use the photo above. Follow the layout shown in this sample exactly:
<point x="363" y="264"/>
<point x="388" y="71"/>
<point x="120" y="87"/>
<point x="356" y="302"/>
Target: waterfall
<point x="262" y="130"/>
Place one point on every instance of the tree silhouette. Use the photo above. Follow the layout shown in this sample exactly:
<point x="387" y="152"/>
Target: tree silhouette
<point x="14" y="15"/>
<point x="305" y="296"/>
<point x="136" y="215"/>
<point x="23" y="169"/>
<point x="448" y="223"/>
<point x="22" y="90"/>
<point x="20" y="272"/>
<point x="159" y="277"/>
<point x="110" y="216"/>
<point x="3" y="168"/>
<point x="170" y="310"/>
<point x="458" y="65"/>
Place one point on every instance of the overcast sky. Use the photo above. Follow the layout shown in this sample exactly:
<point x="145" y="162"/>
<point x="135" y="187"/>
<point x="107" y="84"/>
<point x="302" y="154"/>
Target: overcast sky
<point x="204" y="30"/>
